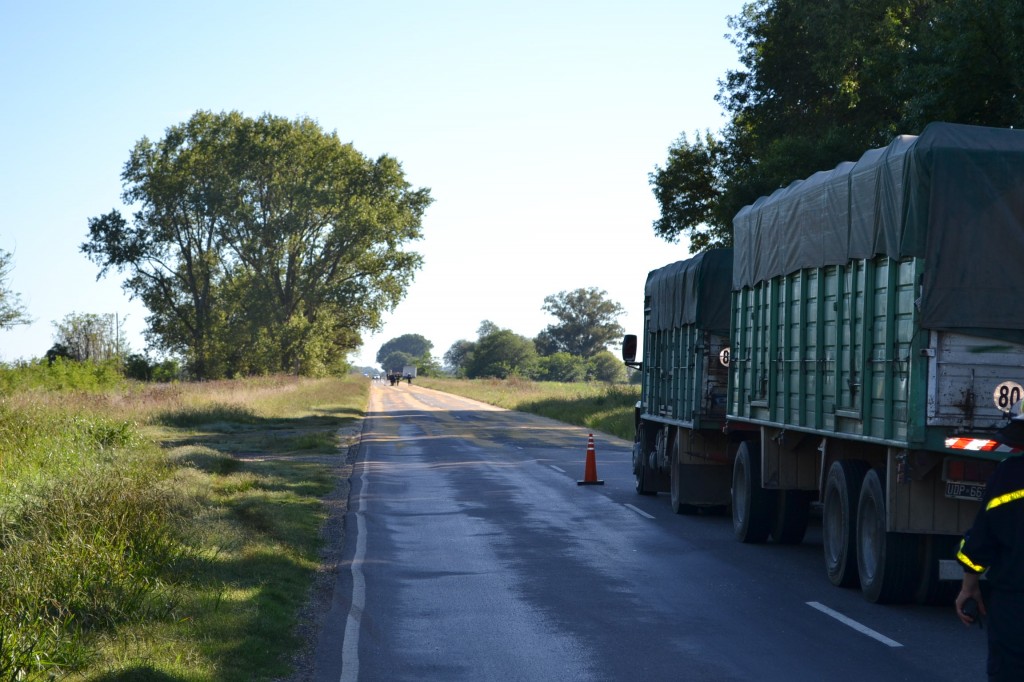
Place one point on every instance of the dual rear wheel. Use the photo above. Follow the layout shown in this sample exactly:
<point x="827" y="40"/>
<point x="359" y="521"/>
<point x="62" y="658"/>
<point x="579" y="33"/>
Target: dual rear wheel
<point x="858" y="550"/>
<point x="857" y="547"/>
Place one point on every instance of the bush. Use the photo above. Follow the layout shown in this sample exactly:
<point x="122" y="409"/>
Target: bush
<point x="60" y="374"/>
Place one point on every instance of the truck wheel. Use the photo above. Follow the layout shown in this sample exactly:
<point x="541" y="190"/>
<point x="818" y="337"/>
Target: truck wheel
<point x="931" y="590"/>
<point x="642" y="473"/>
<point x="791" y="516"/>
<point x="638" y="458"/>
<point x="675" y="490"/>
<point x="752" y="506"/>
<point x="642" y="487"/>
<point x="838" y="520"/>
<point x="886" y="562"/>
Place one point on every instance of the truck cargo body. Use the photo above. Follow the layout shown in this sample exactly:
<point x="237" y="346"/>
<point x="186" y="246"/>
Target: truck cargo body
<point x="877" y="345"/>
<point x="680" y="445"/>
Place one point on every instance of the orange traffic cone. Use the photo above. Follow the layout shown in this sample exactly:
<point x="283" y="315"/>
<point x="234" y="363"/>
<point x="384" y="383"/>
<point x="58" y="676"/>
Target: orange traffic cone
<point x="590" y="471"/>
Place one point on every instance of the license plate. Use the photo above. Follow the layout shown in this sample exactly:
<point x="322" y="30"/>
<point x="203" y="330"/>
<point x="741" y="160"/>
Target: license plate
<point x="964" y="491"/>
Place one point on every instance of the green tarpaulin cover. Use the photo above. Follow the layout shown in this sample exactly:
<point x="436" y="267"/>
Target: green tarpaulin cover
<point x="954" y="195"/>
<point x="694" y="291"/>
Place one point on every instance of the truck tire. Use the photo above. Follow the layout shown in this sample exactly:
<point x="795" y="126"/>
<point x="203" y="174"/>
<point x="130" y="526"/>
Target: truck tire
<point x="791" y="516"/>
<point x="640" y="469"/>
<point x="886" y="562"/>
<point x="643" y="475"/>
<point x="753" y="507"/>
<point x="839" y="520"/>
<point x="675" y="490"/>
<point x="932" y="591"/>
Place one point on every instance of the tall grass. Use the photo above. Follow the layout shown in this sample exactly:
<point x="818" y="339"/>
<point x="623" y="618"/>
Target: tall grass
<point x="162" y="531"/>
<point x="86" y="530"/>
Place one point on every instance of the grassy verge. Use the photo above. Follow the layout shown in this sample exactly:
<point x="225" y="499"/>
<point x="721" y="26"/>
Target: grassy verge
<point x="603" y="407"/>
<point x="164" y="532"/>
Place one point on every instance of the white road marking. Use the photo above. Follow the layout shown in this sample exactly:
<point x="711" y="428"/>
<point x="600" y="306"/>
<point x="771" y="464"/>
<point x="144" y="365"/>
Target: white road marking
<point x="863" y="629"/>
<point x="561" y="471"/>
<point x="350" y="644"/>
<point x="641" y="512"/>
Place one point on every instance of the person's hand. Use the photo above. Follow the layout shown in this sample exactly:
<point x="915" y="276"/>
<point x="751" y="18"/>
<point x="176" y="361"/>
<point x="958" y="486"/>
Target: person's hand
<point x="970" y="589"/>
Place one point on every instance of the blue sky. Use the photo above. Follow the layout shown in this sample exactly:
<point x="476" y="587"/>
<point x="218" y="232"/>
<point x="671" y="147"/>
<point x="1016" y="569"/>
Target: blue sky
<point x="534" y="123"/>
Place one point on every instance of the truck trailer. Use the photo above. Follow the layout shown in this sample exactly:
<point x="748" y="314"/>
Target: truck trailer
<point x="874" y="345"/>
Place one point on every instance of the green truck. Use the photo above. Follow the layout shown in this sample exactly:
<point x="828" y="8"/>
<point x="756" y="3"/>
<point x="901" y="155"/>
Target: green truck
<point x="852" y="354"/>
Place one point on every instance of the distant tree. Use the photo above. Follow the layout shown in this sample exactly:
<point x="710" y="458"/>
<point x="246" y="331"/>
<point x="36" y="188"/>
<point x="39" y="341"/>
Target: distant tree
<point x="587" y="322"/>
<point x="260" y="245"/>
<point x="606" y="367"/>
<point x="396" y="360"/>
<point x="458" y="356"/>
<point x="413" y="345"/>
<point x="503" y="353"/>
<point x="12" y="312"/>
<point x="88" y="336"/>
<point x="138" y="366"/>
<point x="562" y="366"/>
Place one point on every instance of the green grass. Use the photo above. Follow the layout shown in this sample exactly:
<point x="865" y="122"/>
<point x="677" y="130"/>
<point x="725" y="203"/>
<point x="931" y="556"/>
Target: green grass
<point x="164" y="532"/>
<point x="603" y="407"/>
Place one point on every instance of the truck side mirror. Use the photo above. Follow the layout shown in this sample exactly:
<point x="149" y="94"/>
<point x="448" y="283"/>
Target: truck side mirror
<point x="629" y="349"/>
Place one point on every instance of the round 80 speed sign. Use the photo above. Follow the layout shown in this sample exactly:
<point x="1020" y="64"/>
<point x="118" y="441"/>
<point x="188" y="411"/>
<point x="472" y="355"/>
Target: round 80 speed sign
<point x="1007" y="394"/>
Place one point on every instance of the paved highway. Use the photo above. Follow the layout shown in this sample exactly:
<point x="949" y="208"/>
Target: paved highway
<point x="472" y="554"/>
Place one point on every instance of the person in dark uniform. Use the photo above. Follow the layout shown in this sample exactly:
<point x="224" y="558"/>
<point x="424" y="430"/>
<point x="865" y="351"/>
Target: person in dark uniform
<point x="994" y="546"/>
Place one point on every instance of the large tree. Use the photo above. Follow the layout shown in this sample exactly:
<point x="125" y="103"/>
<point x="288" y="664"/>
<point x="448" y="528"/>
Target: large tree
<point x="587" y="323"/>
<point x="260" y="245"/>
<point x="819" y="83"/>
<point x="413" y="345"/>
<point x="12" y="312"/>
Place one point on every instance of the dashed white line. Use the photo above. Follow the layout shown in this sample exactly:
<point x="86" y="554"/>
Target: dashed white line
<point x="863" y="629"/>
<point x="561" y="471"/>
<point x="641" y="512"/>
<point x="350" y="644"/>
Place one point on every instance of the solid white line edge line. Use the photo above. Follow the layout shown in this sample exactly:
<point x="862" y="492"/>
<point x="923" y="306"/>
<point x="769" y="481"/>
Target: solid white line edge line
<point x="350" y="644"/>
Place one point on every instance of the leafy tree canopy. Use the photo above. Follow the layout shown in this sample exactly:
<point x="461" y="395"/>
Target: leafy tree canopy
<point x="88" y="336"/>
<point x="260" y="245"/>
<point x="562" y="366"/>
<point x="396" y="360"/>
<point x="458" y="356"/>
<point x="413" y="345"/>
<point x="500" y="354"/>
<point x="587" y="323"/>
<point x="821" y="82"/>
<point x="605" y="366"/>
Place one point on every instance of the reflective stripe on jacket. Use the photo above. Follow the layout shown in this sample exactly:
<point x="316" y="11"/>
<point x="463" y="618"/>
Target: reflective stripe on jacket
<point x="995" y="543"/>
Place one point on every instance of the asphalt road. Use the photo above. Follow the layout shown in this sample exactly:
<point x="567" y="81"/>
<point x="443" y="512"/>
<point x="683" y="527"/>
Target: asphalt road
<point x="472" y="554"/>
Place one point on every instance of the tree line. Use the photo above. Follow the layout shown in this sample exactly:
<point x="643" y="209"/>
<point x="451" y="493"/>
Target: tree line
<point x="821" y="82"/>
<point x="574" y="348"/>
<point x="263" y="245"/>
